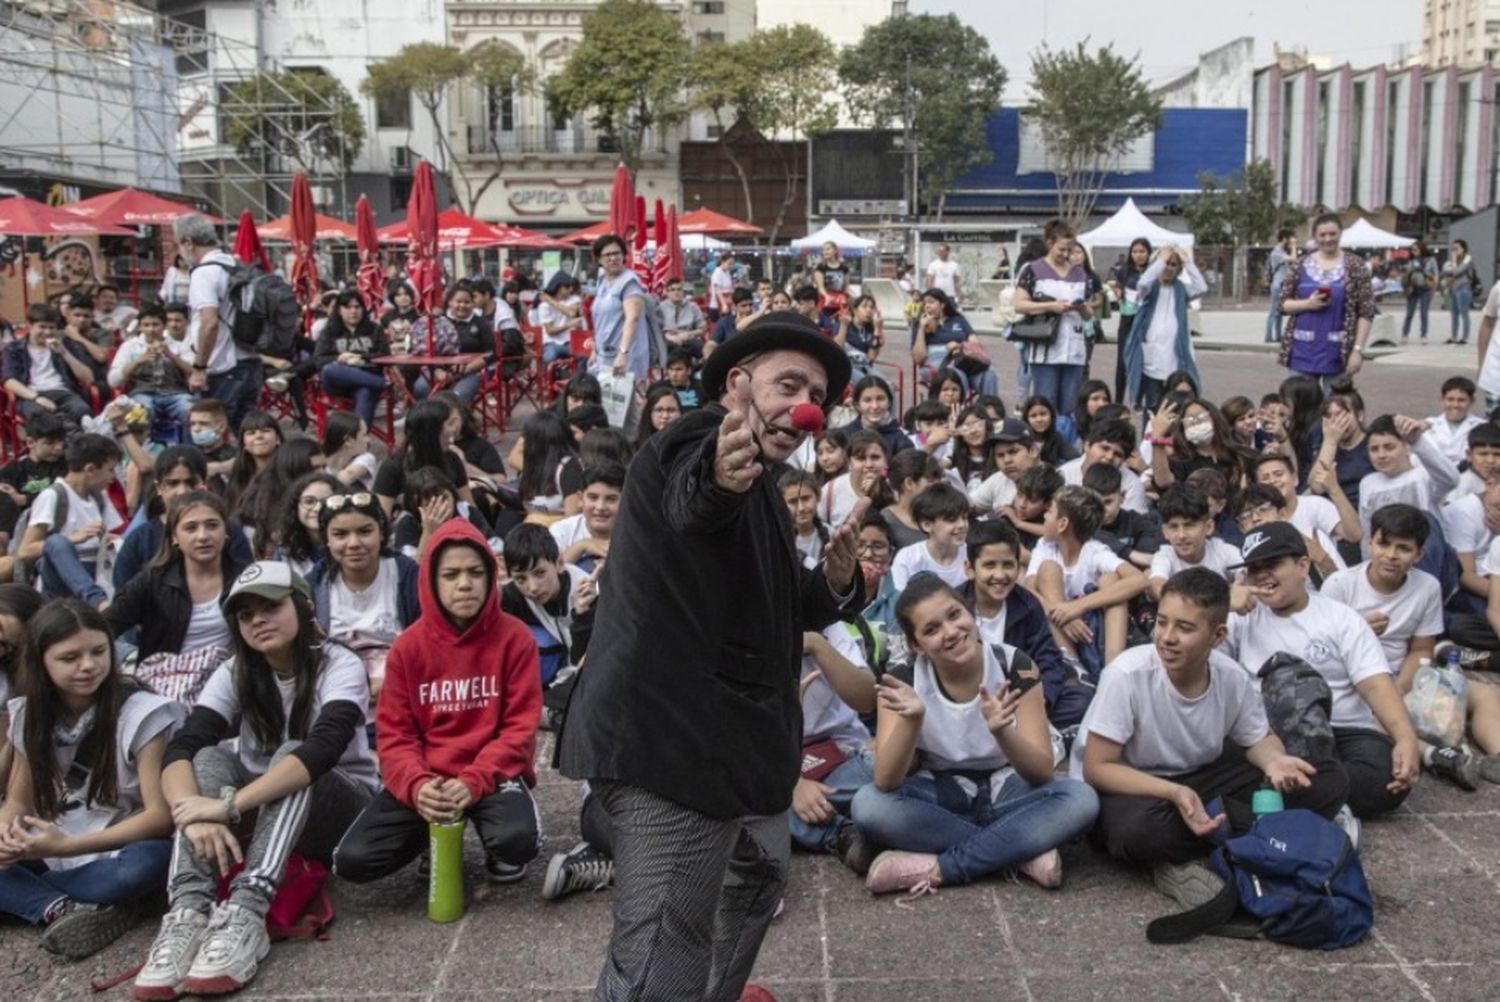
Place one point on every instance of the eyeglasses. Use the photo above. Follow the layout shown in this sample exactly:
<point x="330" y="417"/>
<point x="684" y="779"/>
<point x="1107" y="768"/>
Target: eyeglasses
<point x="609" y="254"/>
<point x="338" y="502"/>
<point x="310" y="503"/>
<point x="872" y="547"/>
<point x="1260" y="511"/>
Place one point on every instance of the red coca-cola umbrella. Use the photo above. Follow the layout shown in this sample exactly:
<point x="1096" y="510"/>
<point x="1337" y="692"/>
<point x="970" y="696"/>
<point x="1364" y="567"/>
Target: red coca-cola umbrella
<point x="368" y="279"/>
<point x="674" y="247"/>
<point x="455" y="231"/>
<point x="422" y="267"/>
<point x="639" y="236"/>
<point x="588" y="234"/>
<point x="247" y="245"/>
<point x="132" y="207"/>
<point x="663" y="257"/>
<point x="622" y="207"/>
<point x="304" y="235"/>
<point x="25" y="217"/>
<point x="711" y="223"/>
<point x="324" y="228"/>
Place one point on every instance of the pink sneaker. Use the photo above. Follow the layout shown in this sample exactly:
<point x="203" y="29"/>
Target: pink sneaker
<point x="1046" y="869"/>
<point x="901" y="871"/>
<point x="755" y="993"/>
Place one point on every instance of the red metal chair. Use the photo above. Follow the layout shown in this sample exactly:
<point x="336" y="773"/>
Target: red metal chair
<point x="501" y="392"/>
<point x="321" y="402"/>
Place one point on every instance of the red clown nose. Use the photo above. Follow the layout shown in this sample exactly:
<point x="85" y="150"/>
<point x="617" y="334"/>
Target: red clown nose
<point x="808" y="418"/>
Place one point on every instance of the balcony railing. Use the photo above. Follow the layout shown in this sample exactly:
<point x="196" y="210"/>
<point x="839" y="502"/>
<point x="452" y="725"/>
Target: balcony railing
<point x="482" y="141"/>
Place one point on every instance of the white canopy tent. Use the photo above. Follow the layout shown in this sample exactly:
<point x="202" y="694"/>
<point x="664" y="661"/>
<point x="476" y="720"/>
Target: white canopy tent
<point x="695" y="242"/>
<point x="845" y="240"/>
<point x="1366" y="235"/>
<point x="1126" y="225"/>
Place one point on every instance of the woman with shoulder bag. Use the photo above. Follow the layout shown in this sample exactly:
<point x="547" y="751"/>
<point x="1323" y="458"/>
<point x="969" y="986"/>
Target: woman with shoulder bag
<point x="1052" y="297"/>
<point x="1459" y="278"/>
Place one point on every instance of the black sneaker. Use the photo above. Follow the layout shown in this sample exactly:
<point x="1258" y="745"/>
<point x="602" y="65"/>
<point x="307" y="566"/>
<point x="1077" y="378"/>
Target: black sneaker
<point x="82" y="930"/>
<point x="1468" y="657"/>
<point x="1455" y="765"/>
<point x="500" y="872"/>
<point x="581" y="868"/>
<point x="1489" y="768"/>
<point x="852" y="848"/>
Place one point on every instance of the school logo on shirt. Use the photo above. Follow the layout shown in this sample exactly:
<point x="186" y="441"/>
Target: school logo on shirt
<point x="1320" y="652"/>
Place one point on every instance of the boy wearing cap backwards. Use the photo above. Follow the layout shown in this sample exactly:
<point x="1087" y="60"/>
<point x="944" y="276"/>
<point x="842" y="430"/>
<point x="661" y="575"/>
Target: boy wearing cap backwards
<point x="457" y="721"/>
<point x="1175" y="725"/>
<point x="1373" y="734"/>
<point x="686" y="719"/>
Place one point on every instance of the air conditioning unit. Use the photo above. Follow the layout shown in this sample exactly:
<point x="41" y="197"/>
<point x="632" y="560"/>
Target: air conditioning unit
<point x="403" y="160"/>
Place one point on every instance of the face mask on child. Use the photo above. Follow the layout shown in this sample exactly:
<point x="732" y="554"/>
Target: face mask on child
<point x="1198" y="433"/>
<point x="205" y="437"/>
<point x="873" y="572"/>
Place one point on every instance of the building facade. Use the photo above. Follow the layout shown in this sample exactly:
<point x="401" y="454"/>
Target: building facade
<point x="1462" y="33"/>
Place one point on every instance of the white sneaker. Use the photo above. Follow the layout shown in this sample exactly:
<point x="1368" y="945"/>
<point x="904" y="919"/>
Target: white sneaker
<point x="231" y="952"/>
<point x="172" y="955"/>
<point x="1346" y="820"/>
<point x="277" y="384"/>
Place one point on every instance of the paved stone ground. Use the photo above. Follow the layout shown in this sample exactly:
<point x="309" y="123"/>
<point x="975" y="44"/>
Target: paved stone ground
<point x="1434" y="867"/>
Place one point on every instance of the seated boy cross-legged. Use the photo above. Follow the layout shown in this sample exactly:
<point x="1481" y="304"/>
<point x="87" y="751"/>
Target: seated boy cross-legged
<point x="457" y="720"/>
<point x="1373" y="734"/>
<point x="1176" y="725"/>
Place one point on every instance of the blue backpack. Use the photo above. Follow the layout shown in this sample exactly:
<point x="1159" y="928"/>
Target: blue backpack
<point x="1297" y="876"/>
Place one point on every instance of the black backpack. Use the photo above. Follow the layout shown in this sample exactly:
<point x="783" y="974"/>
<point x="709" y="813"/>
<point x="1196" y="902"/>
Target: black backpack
<point x="264" y="316"/>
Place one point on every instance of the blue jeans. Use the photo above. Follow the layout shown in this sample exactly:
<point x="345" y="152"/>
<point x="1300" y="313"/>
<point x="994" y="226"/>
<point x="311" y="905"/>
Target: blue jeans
<point x="854" y="772"/>
<point x="1460" y="302"/>
<point x="467" y="387"/>
<point x="238" y="389"/>
<point x="553" y="352"/>
<point x="975" y="835"/>
<point x="1418" y="299"/>
<point x="1058" y="383"/>
<point x="64" y="574"/>
<point x="364" y="386"/>
<point x="1273" y="319"/>
<point x="173" y="406"/>
<point x="139" y="870"/>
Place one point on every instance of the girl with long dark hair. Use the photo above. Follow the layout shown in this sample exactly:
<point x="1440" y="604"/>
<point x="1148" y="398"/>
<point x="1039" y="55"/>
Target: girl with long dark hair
<point x="1041" y="418"/>
<point x="346" y="447"/>
<point x="551" y="476"/>
<point x="84" y="827"/>
<point x="972" y="457"/>
<point x="429" y="438"/>
<point x="259" y="507"/>
<point x="260" y="436"/>
<point x="660" y="411"/>
<point x="876" y="403"/>
<point x="1200" y="438"/>
<point x="299" y="540"/>
<point x="343" y="353"/>
<point x="1092" y="395"/>
<point x="297" y="704"/>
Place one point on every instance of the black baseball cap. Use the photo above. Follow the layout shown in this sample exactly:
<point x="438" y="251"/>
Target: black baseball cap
<point x="1271" y="541"/>
<point x="1010" y="430"/>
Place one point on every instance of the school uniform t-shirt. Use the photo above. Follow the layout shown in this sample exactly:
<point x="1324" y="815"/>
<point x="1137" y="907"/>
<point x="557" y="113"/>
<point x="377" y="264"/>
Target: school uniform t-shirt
<point x="81" y="512"/>
<point x="1464" y="526"/>
<point x="837" y="500"/>
<point x="1317" y="518"/>
<point x="914" y="559"/>
<point x="1218" y="556"/>
<point x="143" y="716"/>
<point x="954" y="735"/>
<point x="1164" y="732"/>
<point x="1452" y="440"/>
<point x="994" y="492"/>
<point x="1330" y="637"/>
<point x="1415" y="609"/>
<point x="1094" y="560"/>
<point x="342" y="679"/>
<point x="824" y="715"/>
<point x="1133" y="491"/>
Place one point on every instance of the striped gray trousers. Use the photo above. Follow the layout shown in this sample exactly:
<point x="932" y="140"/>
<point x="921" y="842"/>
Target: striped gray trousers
<point x="275" y="830"/>
<point x="693" y="898"/>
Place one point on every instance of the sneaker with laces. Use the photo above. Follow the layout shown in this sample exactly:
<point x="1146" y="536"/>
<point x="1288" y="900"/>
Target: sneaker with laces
<point x="755" y="993"/>
<point x="235" y="944"/>
<point x="1468" y="657"/>
<point x="581" y="868"/>
<point x="1190" y="884"/>
<point x="277" y="384"/>
<point x="1489" y="768"/>
<point x="852" y="848"/>
<point x="172" y="955"/>
<point x="1346" y="820"/>
<point x="1455" y="765"/>
<point x="81" y="930"/>
<point x="894" y="870"/>
<point x="498" y="871"/>
<point x="1045" y="869"/>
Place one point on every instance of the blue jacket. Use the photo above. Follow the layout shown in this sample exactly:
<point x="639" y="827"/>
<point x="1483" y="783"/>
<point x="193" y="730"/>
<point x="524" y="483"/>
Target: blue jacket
<point x="15" y="363"/>
<point x="408" y="605"/>
<point x="1135" y="341"/>
<point x="895" y="439"/>
<point x="1026" y="630"/>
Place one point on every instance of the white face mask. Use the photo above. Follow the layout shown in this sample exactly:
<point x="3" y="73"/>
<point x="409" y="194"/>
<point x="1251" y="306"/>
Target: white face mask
<point x="1198" y="433"/>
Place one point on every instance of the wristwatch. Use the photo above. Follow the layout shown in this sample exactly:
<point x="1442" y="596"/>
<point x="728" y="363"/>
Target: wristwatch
<point x="226" y="794"/>
<point x="1359" y="348"/>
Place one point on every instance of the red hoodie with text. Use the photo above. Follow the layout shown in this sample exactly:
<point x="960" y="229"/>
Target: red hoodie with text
<point x="462" y="705"/>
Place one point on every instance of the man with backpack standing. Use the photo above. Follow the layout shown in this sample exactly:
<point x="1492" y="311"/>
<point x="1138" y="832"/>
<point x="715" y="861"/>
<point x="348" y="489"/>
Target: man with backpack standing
<point x="221" y="369"/>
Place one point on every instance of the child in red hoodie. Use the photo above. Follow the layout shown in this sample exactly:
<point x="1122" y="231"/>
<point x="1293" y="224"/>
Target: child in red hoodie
<point x="457" y="722"/>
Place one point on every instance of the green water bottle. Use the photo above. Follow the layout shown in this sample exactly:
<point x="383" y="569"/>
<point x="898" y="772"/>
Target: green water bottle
<point x="445" y="879"/>
<point x="1265" y="802"/>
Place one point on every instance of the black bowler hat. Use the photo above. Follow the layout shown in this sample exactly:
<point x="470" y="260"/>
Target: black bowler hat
<point x="783" y="330"/>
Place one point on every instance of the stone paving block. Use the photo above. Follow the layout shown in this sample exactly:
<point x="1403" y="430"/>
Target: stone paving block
<point x="972" y="988"/>
<point x="1439" y="919"/>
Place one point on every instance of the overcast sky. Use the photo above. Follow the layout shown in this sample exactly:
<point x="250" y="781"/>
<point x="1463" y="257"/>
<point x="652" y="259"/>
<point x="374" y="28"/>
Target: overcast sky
<point x="1169" y="34"/>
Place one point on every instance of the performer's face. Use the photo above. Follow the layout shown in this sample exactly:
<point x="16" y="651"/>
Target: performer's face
<point x="768" y="388"/>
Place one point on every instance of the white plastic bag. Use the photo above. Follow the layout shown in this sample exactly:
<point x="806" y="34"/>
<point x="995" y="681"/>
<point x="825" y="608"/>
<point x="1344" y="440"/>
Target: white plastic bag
<point x="618" y="397"/>
<point x="1438" y="704"/>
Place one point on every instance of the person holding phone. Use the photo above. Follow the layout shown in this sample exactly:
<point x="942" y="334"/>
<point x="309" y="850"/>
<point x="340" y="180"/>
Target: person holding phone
<point x="1329" y="306"/>
<point x="964" y="784"/>
<point x="685" y="719"/>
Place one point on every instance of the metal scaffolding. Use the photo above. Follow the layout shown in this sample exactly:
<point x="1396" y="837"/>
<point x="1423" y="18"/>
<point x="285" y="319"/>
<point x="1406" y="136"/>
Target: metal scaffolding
<point x="117" y="94"/>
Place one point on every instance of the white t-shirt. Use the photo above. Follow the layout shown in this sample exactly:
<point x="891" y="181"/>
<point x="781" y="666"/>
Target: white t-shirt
<point x="1464" y="527"/>
<point x="720" y="281"/>
<point x="837" y="500"/>
<point x="1218" y="556"/>
<point x="1449" y="439"/>
<point x="942" y="274"/>
<point x="993" y="493"/>
<point x="1132" y="489"/>
<point x="824" y="714"/>
<point x="44" y="375"/>
<point x="954" y="735"/>
<point x="341" y="680"/>
<point x="1415" y="609"/>
<point x="143" y="716"/>
<point x="547" y="315"/>
<point x="1489" y="369"/>
<point x="1328" y="635"/>
<point x="1164" y="732"/>
<point x="810" y="547"/>
<point x="991" y="628"/>
<point x="915" y="558"/>
<point x="368" y="618"/>
<point x="570" y="530"/>
<point x="1317" y="518"/>
<point x="208" y="285"/>
<point x="81" y="512"/>
<point x="1094" y="560"/>
<point x="206" y="628"/>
